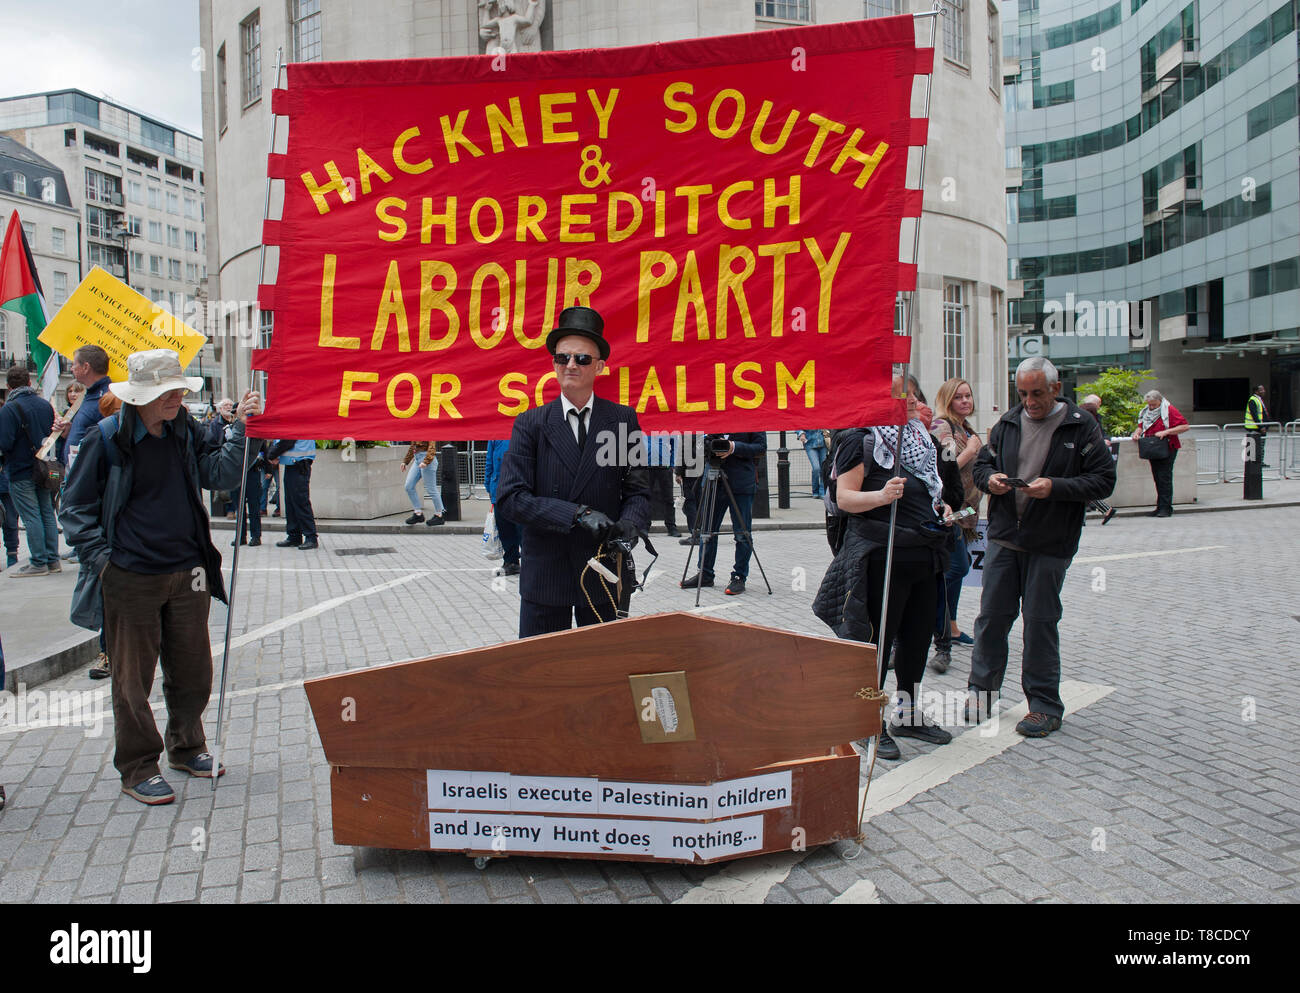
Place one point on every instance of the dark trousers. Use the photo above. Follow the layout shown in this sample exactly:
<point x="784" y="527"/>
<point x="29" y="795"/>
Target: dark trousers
<point x="543" y="618"/>
<point x="661" y="496"/>
<point x="1016" y="582"/>
<point x="269" y="480"/>
<point x="508" y="531"/>
<point x="1162" y="471"/>
<point x="148" y="620"/>
<point x="691" y="501"/>
<point x="948" y="589"/>
<point x="252" y="506"/>
<point x="912" y="597"/>
<point x="721" y="507"/>
<point x="299" y="522"/>
<point x="10" y="525"/>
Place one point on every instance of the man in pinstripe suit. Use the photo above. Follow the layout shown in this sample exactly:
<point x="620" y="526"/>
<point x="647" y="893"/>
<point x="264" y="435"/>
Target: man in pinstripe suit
<point x="566" y="499"/>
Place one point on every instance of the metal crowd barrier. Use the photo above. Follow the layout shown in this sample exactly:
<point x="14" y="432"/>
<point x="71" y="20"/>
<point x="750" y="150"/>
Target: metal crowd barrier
<point x="1209" y="452"/>
<point x="1291" y="449"/>
<point x="1234" y="463"/>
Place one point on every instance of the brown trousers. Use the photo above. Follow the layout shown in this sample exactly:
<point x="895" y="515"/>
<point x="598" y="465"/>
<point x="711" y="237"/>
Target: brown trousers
<point x="148" y="619"/>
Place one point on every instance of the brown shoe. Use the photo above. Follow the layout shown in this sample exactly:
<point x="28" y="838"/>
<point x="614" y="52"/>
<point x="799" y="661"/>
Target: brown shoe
<point x="100" y="670"/>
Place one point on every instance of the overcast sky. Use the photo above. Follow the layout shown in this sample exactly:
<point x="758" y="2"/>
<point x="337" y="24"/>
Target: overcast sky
<point x="136" y="52"/>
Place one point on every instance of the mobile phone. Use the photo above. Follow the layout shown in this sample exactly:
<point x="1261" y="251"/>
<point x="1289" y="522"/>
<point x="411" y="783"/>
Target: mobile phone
<point x="1016" y="483"/>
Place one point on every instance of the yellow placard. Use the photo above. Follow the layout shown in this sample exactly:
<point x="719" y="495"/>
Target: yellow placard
<point x="104" y="311"/>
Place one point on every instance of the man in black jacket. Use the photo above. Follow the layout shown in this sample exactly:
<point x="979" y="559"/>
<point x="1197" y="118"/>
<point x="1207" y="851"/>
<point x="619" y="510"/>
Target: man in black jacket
<point x="574" y="479"/>
<point x="132" y="510"/>
<point x="739" y="463"/>
<point x="1057" y="452"/>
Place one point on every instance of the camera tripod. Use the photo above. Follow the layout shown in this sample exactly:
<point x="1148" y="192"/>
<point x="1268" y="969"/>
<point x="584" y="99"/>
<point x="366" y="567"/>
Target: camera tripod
<point x="708" y="501"/>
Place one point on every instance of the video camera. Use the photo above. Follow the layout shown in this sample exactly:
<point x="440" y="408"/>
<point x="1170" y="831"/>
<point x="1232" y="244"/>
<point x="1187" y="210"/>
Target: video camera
<point x="716" y="444"/>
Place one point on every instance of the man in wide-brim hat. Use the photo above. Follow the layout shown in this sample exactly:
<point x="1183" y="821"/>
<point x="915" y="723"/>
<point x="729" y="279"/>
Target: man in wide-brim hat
<point x="568" y="501"/>
<point x="133" y="510"/>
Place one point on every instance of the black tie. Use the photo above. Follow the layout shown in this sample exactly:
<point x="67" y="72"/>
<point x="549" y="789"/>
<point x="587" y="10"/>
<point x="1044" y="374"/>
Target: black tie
<point x="582" y="428"/>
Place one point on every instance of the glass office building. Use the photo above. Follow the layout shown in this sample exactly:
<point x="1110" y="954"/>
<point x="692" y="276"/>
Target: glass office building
<point x="1153" y="194"/>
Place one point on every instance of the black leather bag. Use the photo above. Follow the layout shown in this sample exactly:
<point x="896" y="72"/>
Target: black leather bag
<point x="1153" y="448"/>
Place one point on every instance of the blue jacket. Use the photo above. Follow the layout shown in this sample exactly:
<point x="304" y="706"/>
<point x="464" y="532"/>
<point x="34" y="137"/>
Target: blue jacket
<point x="87" y="415"/>
<point x="546" y="480"/>
<point x="17" y="447"/>
<point x="661" y="450"/>
<point x="492" y="470"/>
<point x="99" y="486"/>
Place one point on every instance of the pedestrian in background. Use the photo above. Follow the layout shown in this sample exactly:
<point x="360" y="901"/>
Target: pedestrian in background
<point x="421" y="460"/>
<point x="958" y="443"/>
<point x="217" y="427"/>
<point x="26" y="420"/>
<point x="300" y="522"/>
<point x="507" y="530"/>
<point x="8" y="513"/>
<point x="814" y="446"/>
<point x="1161" y="419"/>
<point x="1092" y="404"/>
<point x="691" y="456"/>
<point x="1256" y="418"/>
<point x="661" y="450"/>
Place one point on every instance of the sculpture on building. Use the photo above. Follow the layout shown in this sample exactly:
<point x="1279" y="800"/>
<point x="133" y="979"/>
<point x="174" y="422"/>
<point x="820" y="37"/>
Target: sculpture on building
<point x="505" y="30"/>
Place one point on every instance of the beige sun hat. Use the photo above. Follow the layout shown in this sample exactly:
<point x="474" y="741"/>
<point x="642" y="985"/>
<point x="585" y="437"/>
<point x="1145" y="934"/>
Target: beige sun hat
<point x="151" y="374"/>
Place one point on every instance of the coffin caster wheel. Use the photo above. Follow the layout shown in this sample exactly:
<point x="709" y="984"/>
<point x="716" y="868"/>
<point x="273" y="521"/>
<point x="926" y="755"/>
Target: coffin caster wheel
<point x="481" y="862"/>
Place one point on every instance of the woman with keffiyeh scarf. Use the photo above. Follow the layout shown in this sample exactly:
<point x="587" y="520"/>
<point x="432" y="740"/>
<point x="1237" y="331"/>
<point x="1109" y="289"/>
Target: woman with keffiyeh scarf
<point x="851" y="594"/>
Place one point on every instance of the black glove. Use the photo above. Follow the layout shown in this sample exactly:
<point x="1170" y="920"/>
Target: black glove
<point x="626" y="531"/>
<point x="594" y="523"/>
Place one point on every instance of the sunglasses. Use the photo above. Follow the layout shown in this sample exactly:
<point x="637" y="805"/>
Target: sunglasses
<point x="562" y="358"/>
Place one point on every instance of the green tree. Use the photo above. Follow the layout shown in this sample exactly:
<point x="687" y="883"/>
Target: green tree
<point x="1121" y="398"/>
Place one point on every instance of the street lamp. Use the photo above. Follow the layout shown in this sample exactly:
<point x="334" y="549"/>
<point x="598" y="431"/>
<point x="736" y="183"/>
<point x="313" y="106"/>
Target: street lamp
<point x="121" y="232"/>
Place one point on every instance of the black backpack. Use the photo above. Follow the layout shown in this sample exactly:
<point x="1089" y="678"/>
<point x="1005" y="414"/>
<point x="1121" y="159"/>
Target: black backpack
<point x="837" y="521"/>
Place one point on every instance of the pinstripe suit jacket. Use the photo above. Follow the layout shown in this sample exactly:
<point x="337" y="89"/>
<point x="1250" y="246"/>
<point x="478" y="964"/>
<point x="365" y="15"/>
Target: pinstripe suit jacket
<point x="545" y="480"/>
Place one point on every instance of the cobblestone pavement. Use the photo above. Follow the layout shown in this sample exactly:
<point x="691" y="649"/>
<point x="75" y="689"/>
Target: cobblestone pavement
<point x="1177" y="780"/>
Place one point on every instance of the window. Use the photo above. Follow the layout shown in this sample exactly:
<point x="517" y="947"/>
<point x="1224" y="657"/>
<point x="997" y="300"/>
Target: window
<point x="135" y="224"/>
<point x="221" y="88"/>
<point x="995" y="58"/>
<point x="305" y="15"/>
<point x="191" y="241"/>
<point x="60" y="287"/>
<point x="955" y="311"/>
<point x="18" y="182"/>
<point x="48" y="189"/>
<point x="250" y="59"/>
<point x="795" y="10"/>
<point x="882" y="8"/>
<point x="155" y="265"/>
<point x="173" y="203"/>
<point x="103" y="188"/>
<point x="137" y="261"/>
<point x="191" y="272"/>
<point x="4" y="345"/>
<point x="155" y="198"/>
<point x="192" y="208"/>
<point x="99" y="222"/>
<point x="900" y="315"/>
<point x="956" y="31"/>
<point x="70" y="138"/>
<point x="173" y="269"/>
<point x="173" y="237"/>
<point x="59" y="241"/>
<point x="155" y="232"/>
<point x="135" y="191"/>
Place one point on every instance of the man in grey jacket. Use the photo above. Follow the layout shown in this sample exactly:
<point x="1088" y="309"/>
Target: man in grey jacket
<point x="133" y="510"/>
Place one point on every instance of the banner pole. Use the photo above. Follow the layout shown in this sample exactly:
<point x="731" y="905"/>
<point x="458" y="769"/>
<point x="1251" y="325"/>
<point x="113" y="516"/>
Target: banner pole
<point x="243" y="483"/>
<point x="935" y="13"/>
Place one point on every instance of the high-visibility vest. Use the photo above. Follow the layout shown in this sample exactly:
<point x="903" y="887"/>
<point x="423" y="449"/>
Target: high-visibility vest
<point x="1254" y="421"/>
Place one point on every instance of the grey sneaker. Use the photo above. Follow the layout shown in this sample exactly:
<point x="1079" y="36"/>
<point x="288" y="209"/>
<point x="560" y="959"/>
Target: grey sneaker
<point x="153" y="791"/>
<point x="30" y="570"/>
<point x="54" y="566"/>
<point x="940" y="661"/>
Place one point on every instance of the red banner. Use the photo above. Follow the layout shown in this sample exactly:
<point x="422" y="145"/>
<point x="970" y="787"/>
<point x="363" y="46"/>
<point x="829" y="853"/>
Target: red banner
<point x="730" y="205"/>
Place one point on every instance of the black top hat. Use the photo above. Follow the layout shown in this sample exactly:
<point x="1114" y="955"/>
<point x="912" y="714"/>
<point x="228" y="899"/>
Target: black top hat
<point x="583" y="321"/>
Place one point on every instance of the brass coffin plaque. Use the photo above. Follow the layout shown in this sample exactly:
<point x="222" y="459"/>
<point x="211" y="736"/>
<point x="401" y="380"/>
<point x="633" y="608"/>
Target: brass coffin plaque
<point x="663" y="706"/>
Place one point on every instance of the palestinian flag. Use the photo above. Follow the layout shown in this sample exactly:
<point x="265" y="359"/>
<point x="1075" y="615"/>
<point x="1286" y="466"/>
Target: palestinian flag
<point x="20" y="291"/>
